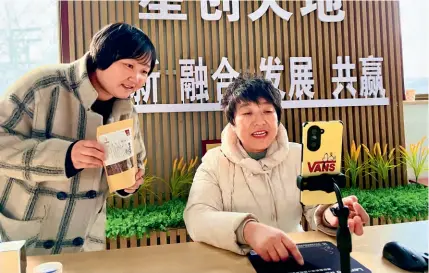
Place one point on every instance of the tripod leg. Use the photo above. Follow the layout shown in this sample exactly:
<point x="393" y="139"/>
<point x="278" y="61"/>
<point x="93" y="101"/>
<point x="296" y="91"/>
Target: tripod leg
<point x="345" y="262"/>
<point x="344" y="238"/>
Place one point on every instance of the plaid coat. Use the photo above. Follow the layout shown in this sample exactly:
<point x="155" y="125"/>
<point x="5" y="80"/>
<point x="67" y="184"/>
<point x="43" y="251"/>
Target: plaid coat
<point x="40" y="116"/>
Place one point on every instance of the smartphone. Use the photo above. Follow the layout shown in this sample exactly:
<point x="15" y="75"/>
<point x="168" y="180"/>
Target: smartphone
<point x="321" y="153"/>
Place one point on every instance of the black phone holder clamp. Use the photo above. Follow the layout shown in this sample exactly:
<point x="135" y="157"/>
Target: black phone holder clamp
<point x="332" y="183"/>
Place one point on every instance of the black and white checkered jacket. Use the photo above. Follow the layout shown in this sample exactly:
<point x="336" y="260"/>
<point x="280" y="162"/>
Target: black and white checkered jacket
<point x="40" y="116"/>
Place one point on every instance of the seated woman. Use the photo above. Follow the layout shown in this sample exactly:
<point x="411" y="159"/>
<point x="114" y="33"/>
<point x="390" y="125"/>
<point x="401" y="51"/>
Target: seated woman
<point x="244" y="195"/>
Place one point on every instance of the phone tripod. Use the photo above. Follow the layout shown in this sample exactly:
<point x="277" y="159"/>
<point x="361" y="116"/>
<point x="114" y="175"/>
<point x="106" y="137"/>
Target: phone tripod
<point x="329" y="183"/>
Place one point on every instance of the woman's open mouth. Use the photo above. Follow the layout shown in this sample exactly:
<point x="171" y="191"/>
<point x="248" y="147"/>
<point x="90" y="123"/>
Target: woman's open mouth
<point x="260" y="134"/>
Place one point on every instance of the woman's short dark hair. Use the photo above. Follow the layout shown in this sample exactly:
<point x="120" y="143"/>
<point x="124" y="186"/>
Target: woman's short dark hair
<point x="249" y="88"/>
<point x="119" y="41"/>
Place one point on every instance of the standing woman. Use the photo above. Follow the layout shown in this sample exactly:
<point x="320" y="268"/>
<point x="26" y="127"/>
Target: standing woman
<point x="52" y="184"/>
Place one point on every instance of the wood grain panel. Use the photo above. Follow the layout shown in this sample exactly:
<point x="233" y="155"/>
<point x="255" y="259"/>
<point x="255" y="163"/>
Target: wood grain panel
<point x="369" y="28"/>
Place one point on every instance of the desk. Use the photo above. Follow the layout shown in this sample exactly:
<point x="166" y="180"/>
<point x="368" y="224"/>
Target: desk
<point x="199" y="258"/>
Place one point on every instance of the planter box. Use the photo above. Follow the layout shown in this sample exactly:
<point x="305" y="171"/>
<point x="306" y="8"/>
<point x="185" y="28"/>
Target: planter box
<point x="172" y="236"/>
<point x="175" y="236"/>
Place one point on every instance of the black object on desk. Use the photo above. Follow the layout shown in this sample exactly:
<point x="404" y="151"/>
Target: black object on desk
<point x="319" y="257"/>
<point x="404" y="257"/>
<point x="329" y="183"/>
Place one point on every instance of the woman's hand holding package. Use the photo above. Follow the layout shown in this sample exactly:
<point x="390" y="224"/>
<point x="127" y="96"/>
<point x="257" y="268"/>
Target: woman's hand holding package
<point x="139" y="181"/>
<point x="270" y="243"/>
<point x="87" y="154"/>
<point x="357" y="216"/>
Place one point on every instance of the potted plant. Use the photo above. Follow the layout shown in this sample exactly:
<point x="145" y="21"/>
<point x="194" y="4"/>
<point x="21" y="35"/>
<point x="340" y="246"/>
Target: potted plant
<point x="379" y="163"/>
<point x="415" y="158"/>
<point x="181" y="178"/>
<point x="147" y="187"/>
<point x="353" y="169"/>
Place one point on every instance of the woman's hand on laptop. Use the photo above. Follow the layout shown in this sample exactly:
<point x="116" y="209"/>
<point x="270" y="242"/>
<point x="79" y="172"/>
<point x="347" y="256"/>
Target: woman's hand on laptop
<point x="270" y="243"/>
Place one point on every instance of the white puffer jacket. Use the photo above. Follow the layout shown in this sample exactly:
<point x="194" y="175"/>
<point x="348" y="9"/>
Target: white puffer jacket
<point x="230" y="187"/>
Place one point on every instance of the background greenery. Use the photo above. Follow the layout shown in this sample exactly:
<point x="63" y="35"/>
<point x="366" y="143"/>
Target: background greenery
<point x="127" y="222"/>
<point x="404" y="202"/>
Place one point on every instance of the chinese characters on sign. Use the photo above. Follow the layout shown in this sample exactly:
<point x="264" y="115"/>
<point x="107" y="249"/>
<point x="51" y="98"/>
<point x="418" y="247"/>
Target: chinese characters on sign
<point x="225" y="78"/>
<point x="371" y="80"/>
<point x="194" y="79"/>
<point x="193" y="75"/>
<point x="301" y="77"/>
<point x="347" y="66"/>
<point x="164" y="10"/>
<point x="332" y="5"/>
<point x="269" y="68"/>
<point x="327" y="11"/>
<point x="234" y="10"/>
<point x="267" y="4"/>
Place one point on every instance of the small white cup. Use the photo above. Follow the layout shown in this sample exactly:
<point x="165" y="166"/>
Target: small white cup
<point x="53" y="267"/>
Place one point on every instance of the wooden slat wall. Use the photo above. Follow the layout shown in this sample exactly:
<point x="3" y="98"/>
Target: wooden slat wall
<point x="369" y="28"/>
